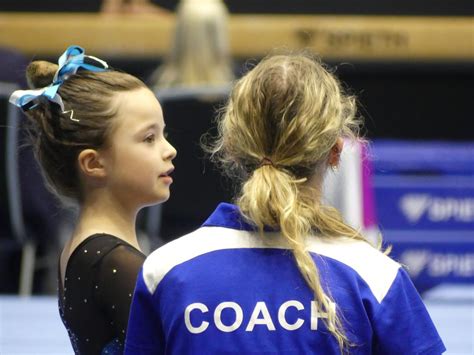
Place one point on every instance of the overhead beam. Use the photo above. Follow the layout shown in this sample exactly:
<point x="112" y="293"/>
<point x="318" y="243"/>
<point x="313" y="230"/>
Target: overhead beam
<point x="333" y="37"/>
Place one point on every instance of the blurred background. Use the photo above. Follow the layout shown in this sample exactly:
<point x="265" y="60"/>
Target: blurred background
<point x="410" y="63"/>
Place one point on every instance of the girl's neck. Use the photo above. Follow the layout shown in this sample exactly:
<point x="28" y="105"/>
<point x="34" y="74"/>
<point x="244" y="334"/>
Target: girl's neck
<point x="103" y="214"/>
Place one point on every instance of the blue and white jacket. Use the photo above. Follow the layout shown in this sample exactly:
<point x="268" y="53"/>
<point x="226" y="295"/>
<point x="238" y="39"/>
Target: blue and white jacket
<point x="224" y="289"/>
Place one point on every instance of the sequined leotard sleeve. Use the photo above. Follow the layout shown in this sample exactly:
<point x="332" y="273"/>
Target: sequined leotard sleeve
<point x="98" y="287"/>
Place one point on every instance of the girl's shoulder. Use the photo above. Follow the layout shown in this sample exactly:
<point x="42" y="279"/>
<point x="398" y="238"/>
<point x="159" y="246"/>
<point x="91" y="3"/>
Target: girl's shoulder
<point x="96" y="247"/>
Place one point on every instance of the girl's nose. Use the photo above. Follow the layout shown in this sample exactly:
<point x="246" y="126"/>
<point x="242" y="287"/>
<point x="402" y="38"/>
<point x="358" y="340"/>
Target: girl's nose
<point x="170" y="152"/>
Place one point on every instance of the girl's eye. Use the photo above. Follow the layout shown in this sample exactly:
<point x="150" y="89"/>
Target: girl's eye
<point x="150" y="139"/>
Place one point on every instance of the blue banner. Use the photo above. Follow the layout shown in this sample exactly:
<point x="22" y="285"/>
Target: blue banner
<point x="430" y="264"/>
<point x="425" y="202"/>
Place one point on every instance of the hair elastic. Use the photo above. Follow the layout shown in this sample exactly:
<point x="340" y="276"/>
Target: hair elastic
<point x="265" y="161"/>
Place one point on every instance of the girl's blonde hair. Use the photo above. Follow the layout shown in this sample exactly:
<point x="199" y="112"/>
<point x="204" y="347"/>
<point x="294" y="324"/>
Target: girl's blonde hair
<point x="200" y="52"/>
<point x="288" y="113"/>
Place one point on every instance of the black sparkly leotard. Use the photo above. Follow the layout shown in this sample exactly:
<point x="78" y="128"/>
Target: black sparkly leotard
<point x="98" y="287"/>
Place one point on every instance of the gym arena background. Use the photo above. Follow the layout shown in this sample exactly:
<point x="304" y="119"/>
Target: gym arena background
<point x="411" y="64"/>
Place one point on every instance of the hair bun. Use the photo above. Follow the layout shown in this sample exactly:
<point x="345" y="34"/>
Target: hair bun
<point x="40" y="73"/>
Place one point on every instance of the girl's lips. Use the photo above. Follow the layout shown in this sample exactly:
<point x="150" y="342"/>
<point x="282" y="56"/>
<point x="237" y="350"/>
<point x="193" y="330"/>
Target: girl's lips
<point x="166" y="179"/>
<point x="167" y="173"/>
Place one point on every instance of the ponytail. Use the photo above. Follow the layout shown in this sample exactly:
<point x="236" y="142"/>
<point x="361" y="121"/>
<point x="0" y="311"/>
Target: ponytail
<point x="271" y="197"/>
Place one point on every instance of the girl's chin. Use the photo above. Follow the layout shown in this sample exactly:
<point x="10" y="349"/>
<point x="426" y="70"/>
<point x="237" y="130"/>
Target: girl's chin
<point x="163" y="197"/>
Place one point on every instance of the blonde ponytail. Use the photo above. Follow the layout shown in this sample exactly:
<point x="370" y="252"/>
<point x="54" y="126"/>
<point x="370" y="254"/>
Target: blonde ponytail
<point x="271" y="198"/>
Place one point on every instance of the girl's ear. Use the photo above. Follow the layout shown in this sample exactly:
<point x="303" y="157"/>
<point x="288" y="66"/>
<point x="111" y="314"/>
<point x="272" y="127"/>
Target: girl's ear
<point x="335" y="153"/>
<point x="90" y="164"/>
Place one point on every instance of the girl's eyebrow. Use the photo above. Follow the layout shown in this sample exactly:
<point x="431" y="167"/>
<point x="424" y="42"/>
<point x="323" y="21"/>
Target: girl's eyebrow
<point x="145" y="128"/>
<point x="150" y="126"/>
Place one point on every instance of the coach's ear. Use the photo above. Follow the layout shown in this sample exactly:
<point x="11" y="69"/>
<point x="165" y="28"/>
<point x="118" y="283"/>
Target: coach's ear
<point x="335" y="153"/>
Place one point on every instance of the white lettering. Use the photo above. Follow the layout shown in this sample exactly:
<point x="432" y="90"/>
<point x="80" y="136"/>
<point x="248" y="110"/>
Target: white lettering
<point x="260" y="308"/>
<point x="239" y="316"/>
<point x="315" y="315"/>
<point x="260" y="315"/>
<point x="443" y="265"/>
<point x="282" y="311"/>
<point x="187" y="318"/>
<point x="416" y="260"/>
<point x="414" y="206"/>
<point x="445" y="209"/>
<point x="439" y="209"/>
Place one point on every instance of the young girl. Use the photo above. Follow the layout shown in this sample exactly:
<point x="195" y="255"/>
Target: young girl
<point x="279" y="272"/>
<point x="98" y="135"/>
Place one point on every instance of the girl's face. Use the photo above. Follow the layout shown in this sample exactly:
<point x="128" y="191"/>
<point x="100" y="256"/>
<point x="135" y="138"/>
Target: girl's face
<point x="138" y="159"/>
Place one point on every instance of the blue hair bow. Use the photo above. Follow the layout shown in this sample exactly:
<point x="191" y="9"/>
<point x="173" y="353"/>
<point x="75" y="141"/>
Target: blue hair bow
<point x="69" y="63"/>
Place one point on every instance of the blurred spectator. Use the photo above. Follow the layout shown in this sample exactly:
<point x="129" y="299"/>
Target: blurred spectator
<point x="200" y="52"/>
